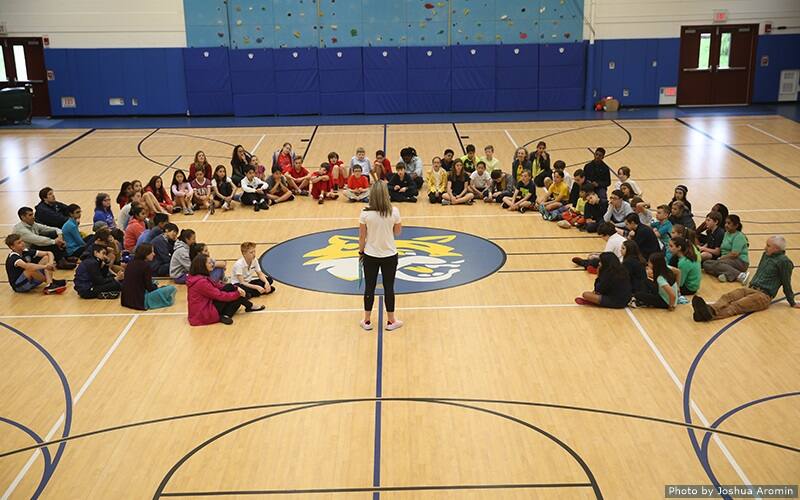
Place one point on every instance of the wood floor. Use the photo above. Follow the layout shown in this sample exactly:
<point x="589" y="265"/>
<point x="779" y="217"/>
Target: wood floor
<point x="499" y="389"/>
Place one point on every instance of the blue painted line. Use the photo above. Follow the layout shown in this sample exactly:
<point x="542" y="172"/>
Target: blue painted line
<point x="45" y="450"/>
<point x="67" y="407"/>
<point x="376" y="467"/>
<point x="385" y="127"/>
<point x="48" y="155"/>
<point x="730" y="413"/>
<point x="687" y="397"/>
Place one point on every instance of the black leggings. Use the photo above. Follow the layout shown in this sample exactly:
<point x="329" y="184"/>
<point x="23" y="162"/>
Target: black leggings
<point x="109" y="288"/>
<point x="388" y="268"/>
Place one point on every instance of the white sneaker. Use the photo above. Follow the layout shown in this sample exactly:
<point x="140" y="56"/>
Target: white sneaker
<point x="365" y="325"/>
<point x="742" y="278"/>
<point x="225" y="206"/>
<point x="445" y="202"/>
<point x="722" y="278"/>
<point x="394" y="326"/>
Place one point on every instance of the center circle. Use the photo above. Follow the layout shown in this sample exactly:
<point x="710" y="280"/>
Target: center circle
<point x="429" y="259"/>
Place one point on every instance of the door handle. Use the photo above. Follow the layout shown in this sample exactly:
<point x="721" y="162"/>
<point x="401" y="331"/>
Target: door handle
<point x="737" y="68"/>
<point x="697" y="70"/>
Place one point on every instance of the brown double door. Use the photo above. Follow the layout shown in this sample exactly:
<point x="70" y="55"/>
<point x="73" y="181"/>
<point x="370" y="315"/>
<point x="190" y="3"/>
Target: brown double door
<point x="22" y="63"/>
<point x="717" y="64"/>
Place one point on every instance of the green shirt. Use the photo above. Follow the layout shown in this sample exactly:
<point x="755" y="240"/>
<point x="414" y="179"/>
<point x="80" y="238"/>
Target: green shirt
<point x="736" y="242"/>
<point x="690" y="273"/>
<point x="661" y="282"/>
<point x="774" y="271"/>
<point x="469" y="165"/>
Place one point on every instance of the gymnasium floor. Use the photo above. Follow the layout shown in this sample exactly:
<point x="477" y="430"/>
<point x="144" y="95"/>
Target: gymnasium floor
<point x="500" y="388"/>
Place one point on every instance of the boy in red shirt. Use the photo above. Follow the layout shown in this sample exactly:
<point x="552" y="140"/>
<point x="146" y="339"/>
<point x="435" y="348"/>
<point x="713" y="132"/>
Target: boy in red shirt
<point x="337" y="171"/>
<point x="321" y="185"/>
<point x="383" y="167"/>
<point x="297" y="177"/>
<point x="357" y="186"/>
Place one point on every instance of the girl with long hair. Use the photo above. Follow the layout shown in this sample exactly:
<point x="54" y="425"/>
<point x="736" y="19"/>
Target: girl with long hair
<point x="379" y="224"/>
<point x="612" y="288"/>
<point x="661" y="290"/>
<point x="457" y="186"/>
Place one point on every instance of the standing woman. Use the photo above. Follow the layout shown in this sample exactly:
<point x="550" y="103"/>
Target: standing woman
<point x="379" y="223"/>
<point x="239" y="162"/>
<point x="540" y="161"/>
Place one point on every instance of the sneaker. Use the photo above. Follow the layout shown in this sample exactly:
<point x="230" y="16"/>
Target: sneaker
<point x="211" y="208"/>
<point x="365" y="325"/>
<point x="471" y="202"/>
<point x="191" y="211"/>
<point x="722" y="278"/>
<point x="176" y="210"/>
<point x="60" y="282"/>
<point x="320" y="201"/>
<point x="256" y="206"/>
<point x="412" y="199"/>
<point x="394" y="326"/>
<point x="54" y="289"/>
<point x="225" y="206"/>
<point x="578" y="261"/>
<point x="633" y="304"/>
<point x="108" y="295"/>
<point x="445" y="202"/>
<point x="522" y="210"/>
<point x="591" y="270"/>
<point x="742" y="278"/>
<point x="185" y="211"/>
<point x="582" y="302"/>
<point x="542" y="210"/>
<point x="303" y="193"/>
<point x="701" y="310"/>
<point x="504" y="205"/>
<point x="257" y="308"/>
<point x="226" y="320"/>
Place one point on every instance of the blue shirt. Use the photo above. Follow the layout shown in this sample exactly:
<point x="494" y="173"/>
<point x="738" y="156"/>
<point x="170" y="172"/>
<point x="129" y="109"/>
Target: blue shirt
<point x="72" y="237"/>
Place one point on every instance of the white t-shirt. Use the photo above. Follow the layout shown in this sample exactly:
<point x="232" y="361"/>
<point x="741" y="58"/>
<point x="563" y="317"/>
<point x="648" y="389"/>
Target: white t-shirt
<point x="249" y="273"/>
<point x="365" y="164"/>
<point x="614" y="244"/>
<point x="480" y="181"/>
<point x="380" y="233"/>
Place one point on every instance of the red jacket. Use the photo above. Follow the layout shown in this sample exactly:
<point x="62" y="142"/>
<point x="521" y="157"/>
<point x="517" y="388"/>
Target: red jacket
<point x="202" y="292"/>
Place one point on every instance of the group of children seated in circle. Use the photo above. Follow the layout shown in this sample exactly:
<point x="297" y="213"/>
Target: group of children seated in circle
<point x="648" y="261"/>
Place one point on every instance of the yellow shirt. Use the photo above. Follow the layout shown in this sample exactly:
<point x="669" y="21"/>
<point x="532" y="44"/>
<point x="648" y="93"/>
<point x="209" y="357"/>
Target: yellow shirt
<point x="492" y="164"/>
<point x="437" y="181"/>
<point x="580" y="205"/>
<point x="559" y="191"/>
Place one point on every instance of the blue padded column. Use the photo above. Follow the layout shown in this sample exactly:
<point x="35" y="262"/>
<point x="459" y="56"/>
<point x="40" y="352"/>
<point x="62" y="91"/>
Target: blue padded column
<point x="341" y="81"/>
<point x="297" y="81"/>
<point x="385" y="80"/>
<point x="517" y="78"/>
<point x="473" y="77"/>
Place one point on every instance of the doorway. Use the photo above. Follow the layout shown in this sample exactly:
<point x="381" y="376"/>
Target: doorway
<point x="717" y="64"/>
<point x="22" y="63"/>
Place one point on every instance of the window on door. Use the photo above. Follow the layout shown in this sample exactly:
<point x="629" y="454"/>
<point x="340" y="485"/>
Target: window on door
<point x="19" y="62"/>
<point x="705" y="51"/>
<point x="725" y="51"/>
<point x="3" y="76"/>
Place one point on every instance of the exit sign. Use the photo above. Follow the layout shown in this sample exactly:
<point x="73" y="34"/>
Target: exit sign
<point x="720" y="16"/>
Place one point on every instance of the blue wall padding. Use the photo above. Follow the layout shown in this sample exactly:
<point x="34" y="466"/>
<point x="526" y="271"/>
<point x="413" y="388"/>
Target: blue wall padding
<point x="783" y="52"/>
<point x="428" y="57"/>
<point x="341" y="103"/>
<point x="253" y="82"/>
<point x="385" y="102"/>
<point x="297" y="81"/>
<point x="469" y="56"/>
<point x="208" y="81"/>
<point x="429" y="102"/>
<point x="516" y="99"/>
<point x="562" y="76"/>
<point x="473" y="78"/>
<point x="473" y="100"/>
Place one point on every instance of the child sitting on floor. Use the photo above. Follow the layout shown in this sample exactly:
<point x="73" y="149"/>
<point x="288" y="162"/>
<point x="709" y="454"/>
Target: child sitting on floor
<point x="321" y="185"/>
<point x="479" y="181"/>
<point x="357" y="188"/>
<point x="524" y="195"/>
<point x="202" y="191"/>
<point x="502" y="186"/>
<point x="253" y="188"/>
<point x="381" y="168"/>
<point x="93" y="278"/>
<point x="277" y="190"/>
<point x="437" y="181"/>
<point x="247" y="273"/>
<point x="28" y="268"/>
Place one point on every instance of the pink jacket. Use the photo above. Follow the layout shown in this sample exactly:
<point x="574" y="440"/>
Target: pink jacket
<point x="202" y="291"/>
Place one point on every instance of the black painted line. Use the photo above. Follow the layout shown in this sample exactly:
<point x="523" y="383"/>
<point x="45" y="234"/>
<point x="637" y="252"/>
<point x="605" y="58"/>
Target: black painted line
<point x="141" y="153"/>
<point x="50" y="154"/>
<point x="534" y="404"/>
<point x="563" y="132"/>
<point x="199" y="137"/>
<point x="310" y="141"/>
<point x="568" y="252"/>
<point x="449" y="487"/>
<point x="742" y="155"/>
<point x="167" y="167"/>
<point x="541" y="238"/>
<point x="455" y="129"/>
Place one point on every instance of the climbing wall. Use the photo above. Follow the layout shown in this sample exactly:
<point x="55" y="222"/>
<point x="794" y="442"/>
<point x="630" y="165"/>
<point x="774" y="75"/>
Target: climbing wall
<point x="380" y="23"/>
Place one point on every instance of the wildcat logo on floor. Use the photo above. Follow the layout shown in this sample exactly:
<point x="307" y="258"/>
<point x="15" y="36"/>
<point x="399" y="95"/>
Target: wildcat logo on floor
<point x="429" y="259"/>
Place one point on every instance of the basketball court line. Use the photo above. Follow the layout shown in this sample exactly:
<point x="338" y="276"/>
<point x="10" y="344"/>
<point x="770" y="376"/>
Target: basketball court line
<point x="48" y="155"/>
<point x="795" y="146"/>
<point x="295" y="311"/>
<point x="22" y="473"/>
<point x="665" y="364"/>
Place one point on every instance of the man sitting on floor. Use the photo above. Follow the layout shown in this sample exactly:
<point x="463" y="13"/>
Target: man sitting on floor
<point x="774" y="271"/>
